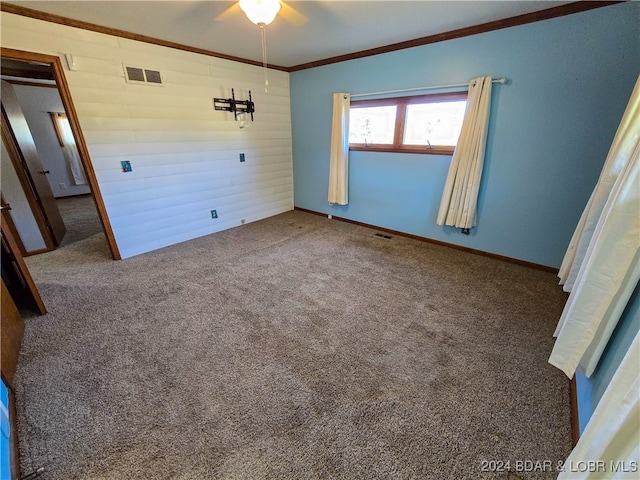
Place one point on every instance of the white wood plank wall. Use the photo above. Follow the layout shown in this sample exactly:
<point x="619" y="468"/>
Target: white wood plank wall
<point x="184" y="154"/>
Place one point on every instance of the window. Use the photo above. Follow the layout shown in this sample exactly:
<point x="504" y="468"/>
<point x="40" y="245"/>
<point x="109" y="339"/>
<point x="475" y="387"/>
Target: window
<point x="69" y="148"/>
<point x="420" y="124"/>
<point x="62" y="128"/>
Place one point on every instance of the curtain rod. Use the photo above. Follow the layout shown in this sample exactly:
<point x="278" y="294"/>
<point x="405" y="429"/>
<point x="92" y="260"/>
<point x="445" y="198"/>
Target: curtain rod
<point x="456" y="85"/>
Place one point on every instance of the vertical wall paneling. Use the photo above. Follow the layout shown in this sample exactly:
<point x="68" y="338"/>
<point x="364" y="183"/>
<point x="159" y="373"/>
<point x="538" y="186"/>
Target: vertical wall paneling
<point x="184" y="154"/>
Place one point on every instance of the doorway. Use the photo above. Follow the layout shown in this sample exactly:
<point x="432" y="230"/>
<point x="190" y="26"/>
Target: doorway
<point x="39" y="208"/>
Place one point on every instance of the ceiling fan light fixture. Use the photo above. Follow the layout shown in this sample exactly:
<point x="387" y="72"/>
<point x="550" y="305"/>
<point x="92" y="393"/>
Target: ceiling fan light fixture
<point x="260" y="11"/>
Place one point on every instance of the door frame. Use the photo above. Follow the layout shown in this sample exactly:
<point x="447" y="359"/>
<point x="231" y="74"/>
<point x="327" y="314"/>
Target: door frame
<point x="19" y="265"/>
<point x="72" y="116"/>
<point x="8" y="221"/>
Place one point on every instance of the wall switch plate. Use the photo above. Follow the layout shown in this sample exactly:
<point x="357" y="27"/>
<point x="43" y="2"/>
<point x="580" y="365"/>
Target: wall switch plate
<point x="242" y="157"/>
<point x="126" y="165"/>
<point x="214" y="214"/>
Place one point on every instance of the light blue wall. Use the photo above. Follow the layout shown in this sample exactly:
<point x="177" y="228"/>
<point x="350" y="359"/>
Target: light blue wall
<point x="550" y="130"/>
<point x="590" y="390"/>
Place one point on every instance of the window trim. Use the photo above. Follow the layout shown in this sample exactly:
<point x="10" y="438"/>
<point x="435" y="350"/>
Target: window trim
<point x="401" y="109"/>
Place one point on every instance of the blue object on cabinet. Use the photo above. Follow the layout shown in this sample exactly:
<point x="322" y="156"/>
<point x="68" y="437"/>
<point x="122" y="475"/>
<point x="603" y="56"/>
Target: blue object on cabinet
<point x="5" y="434"/>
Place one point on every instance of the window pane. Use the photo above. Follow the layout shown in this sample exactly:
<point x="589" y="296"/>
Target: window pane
<point x="434" y="123"/>
<point x="372" y="124"/>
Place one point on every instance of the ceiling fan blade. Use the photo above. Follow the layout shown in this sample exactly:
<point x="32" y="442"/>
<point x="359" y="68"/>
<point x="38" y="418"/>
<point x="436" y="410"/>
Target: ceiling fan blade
<point x="229" y="12"/>
<point x="291" y="15"/>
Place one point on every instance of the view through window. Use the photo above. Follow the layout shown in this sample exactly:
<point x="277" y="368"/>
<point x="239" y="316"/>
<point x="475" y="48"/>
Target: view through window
<point x="424" y="124"/>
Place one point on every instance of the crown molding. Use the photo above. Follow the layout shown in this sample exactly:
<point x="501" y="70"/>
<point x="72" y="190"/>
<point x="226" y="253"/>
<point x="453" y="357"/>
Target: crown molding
<point x="549" y="13"/>
<point x="546" y="14"/>
<point x="69" y="22"/>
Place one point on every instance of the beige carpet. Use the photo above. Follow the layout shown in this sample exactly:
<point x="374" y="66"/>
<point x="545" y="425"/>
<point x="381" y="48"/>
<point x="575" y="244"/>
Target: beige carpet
<point x="291" y="348"/>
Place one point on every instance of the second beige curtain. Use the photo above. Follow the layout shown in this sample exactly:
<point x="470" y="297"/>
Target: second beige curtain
<point x="458" y="205"/>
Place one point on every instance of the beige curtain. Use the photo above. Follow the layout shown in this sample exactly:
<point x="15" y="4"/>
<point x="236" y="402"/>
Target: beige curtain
<point x="609" y="267"/>
<point x="69" y="149"/>
<point x="458" y="206"/>
<point x="611" y="439"/>
<point x="339" y="159"/>
<point x="624" y="142"/>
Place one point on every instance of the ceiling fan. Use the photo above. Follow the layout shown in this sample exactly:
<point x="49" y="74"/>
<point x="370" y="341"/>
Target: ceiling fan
<point x="264" y="12"/>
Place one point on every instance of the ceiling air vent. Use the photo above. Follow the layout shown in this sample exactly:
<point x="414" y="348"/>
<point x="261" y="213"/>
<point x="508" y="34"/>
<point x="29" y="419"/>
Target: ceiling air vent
<point x="142" y="75"/>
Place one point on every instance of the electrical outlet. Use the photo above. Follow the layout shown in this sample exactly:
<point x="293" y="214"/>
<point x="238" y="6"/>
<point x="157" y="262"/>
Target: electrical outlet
<point x="63" y="186"/>
<point x="242" y="221"/>
<point x="242" y="157"/>
<point x="214" y="213"/>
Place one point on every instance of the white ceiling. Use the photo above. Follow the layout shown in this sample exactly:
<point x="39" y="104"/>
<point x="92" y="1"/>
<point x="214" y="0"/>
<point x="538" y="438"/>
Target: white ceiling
<point x="333" y="28"/>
